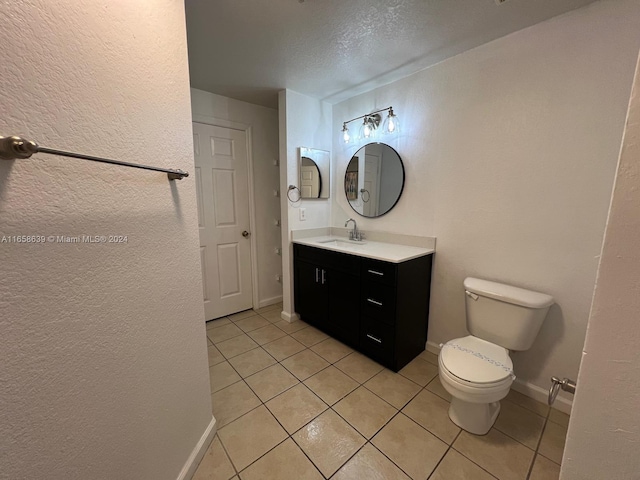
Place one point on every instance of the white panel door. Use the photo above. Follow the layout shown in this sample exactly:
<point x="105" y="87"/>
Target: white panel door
<point x="222" y="186"/>
<point x="371" y="184"/>
<point x="310" y="181"/>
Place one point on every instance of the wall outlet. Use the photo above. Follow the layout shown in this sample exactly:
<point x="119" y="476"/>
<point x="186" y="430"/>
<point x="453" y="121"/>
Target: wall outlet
<point x="303" y="214"/>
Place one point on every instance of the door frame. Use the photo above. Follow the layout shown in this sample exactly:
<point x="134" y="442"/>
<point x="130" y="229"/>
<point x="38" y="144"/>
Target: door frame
<point x="218" y="122"/>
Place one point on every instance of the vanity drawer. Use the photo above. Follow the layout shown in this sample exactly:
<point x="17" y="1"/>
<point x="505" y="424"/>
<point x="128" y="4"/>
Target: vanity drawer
<point x="377" y="339"/>
<point x="379" y="301"/>
<point x="379" y="271"/>
<point x="326" y="258"/>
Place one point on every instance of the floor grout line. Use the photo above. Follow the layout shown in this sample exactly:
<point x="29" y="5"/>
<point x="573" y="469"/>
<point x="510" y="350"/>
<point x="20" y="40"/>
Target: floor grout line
<point x="369" y="441"/>
<point x="263" y="455"/>
<point x="449" y="447"/>
<point x="224" y="449"/>
<point x="305" y="453"/>
<point x="535" y="455"/>
<point x="472" y="461"/>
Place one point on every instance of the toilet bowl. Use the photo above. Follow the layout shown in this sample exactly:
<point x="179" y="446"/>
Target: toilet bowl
<point x="477" y="370"/>
<point x="477" y="374"/>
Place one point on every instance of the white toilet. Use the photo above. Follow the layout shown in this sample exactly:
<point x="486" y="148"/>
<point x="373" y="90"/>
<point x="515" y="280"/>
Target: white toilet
<point x="477" y="370"/>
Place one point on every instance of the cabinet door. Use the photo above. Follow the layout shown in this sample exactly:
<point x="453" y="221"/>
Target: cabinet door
<point x="311" y="293"/>
<point x="344" y="305"/>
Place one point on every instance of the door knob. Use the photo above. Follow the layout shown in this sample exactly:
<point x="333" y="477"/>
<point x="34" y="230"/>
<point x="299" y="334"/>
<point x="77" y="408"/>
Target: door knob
<point x="246" y="234"/>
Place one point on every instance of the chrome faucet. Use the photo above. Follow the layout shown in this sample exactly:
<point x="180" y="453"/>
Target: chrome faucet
<point x="354" y="234"/>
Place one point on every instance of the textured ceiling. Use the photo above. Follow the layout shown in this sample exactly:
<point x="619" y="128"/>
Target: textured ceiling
<point x="334" y="49"/>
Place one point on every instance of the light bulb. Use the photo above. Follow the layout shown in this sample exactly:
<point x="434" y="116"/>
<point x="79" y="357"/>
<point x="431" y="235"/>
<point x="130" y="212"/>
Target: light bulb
<point x="391" y="124"/>
<point x="367" y="128"/>
<point x="345" y="133"/>
<point x="367" y="131"/>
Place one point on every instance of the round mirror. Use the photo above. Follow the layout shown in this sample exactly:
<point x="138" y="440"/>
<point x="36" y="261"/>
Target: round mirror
<point x="374" y="180"/>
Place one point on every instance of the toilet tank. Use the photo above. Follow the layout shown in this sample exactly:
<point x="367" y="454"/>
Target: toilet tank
<point x="505" y="315"/>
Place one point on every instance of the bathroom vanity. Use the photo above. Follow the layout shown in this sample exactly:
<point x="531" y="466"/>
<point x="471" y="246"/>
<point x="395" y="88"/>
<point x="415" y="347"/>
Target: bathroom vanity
<point x="372" y="296"/>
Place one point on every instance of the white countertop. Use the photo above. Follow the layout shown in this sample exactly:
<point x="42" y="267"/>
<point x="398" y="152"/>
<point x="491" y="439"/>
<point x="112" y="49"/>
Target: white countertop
<point x="387" y="252"/>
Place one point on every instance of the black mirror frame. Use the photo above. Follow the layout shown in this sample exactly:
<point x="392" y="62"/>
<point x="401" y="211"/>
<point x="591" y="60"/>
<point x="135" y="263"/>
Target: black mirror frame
<point x="401" y="188"/>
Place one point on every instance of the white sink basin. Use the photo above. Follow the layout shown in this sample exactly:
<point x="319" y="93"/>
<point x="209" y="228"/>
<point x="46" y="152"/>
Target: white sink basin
<point x="342" y="243"/>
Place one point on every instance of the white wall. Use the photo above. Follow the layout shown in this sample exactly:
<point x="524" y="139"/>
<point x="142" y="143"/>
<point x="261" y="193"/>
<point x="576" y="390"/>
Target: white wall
<point x="510" y="152"/>
<point x="266" y="178"/>
<point x="304" y="122"/>
<point x="604" y="431"/>
<point x="104" y="363"/>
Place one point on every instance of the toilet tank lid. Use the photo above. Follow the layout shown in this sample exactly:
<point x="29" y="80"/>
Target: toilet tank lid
<point x="508" y="293"/>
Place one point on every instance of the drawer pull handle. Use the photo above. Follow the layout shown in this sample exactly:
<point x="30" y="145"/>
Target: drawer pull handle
<point x="374" y="338"/>
<point x="317" y="272"/>
<point x="375" y="302"/>
<point x="376" y="273"/>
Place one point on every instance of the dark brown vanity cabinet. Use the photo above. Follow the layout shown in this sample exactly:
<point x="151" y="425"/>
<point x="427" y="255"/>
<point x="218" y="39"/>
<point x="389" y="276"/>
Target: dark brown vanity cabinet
<point x="379" y="308"/>
<point x="327" y="291"/>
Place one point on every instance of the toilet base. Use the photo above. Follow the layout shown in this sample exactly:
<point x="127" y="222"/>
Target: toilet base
<point x="476" y="418"/>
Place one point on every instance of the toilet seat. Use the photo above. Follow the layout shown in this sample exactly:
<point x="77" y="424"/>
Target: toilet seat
<point x="477" y="363"/>
<point x="474" y="392"/>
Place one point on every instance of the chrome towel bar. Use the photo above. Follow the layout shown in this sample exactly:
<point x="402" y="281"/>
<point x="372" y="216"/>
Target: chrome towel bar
<point x="556" y="384"/>
<point x="13" y="148"/>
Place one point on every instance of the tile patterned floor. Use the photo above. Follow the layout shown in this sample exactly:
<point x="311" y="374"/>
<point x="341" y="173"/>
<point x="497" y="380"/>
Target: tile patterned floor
<point x="293" y="403"/>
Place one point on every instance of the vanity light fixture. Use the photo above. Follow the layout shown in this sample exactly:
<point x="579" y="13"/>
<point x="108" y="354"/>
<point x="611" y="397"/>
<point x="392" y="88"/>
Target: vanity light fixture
<point x="370" y="123"/>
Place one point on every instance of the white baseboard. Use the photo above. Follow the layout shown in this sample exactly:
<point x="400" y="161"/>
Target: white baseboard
<point x="198" y="451"/>
<point x="529" y="389"/>
<point x="269" y="301"/>
<point x="432" y="347"/>
<point x="289" y="317"/>
<point x="540" y="394"/>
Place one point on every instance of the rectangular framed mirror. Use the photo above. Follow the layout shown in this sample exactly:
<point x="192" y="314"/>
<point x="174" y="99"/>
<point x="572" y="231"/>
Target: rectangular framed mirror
<point x="315" y="173"/>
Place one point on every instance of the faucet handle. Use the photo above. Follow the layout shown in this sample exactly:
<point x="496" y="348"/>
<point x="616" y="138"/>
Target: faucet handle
<point x="360" y="235"/>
